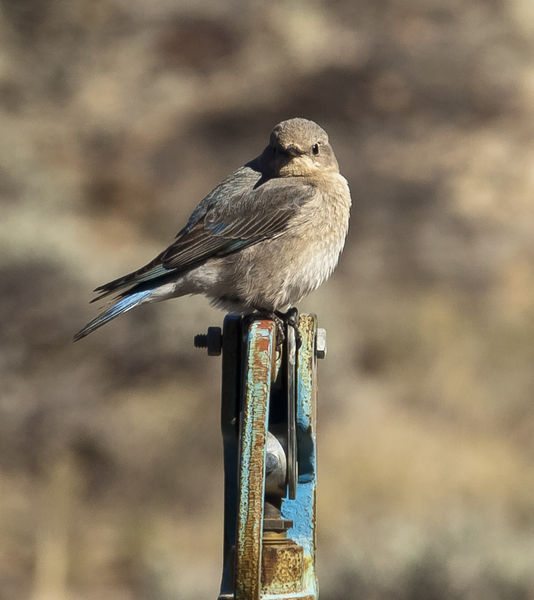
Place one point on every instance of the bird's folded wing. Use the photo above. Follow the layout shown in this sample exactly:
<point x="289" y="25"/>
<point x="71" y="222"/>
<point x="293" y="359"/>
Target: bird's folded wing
<point x="257" y="215"/>
<point x="222" y="228"/>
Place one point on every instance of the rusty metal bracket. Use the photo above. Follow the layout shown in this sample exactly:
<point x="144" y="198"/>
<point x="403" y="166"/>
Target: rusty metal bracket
<point x="259" y="363"/>
<point x="268" y="427"/>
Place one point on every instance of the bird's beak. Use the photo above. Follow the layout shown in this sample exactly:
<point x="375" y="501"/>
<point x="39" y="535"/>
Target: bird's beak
<point x="294" y="151"/>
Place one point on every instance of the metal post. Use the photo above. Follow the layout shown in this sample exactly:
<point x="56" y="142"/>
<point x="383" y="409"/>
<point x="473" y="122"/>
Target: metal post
<point x="268" y="427"/>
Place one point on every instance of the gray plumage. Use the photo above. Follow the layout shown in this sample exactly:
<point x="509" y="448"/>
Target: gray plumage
<point x="264" y="238"/>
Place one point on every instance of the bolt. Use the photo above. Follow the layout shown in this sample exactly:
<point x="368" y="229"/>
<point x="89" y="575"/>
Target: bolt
<point x="201" y="340"/>
<point x="212" y="341"/>
<point x="320" y="343"/>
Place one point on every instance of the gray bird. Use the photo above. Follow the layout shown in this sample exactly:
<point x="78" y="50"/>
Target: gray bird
<point x="264" y="238"/>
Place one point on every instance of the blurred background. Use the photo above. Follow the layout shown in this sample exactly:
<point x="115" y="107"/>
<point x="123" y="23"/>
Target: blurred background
<point x="116" y="118"/>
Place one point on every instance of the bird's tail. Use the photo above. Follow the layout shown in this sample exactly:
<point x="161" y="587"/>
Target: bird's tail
<point x="121" y="306"/>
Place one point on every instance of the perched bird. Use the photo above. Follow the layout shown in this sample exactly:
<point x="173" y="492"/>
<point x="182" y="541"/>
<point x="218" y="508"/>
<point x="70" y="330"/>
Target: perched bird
<point x="264" y="238"/>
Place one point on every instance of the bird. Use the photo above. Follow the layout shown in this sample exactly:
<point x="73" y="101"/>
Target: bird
<point x="268" y="235"/>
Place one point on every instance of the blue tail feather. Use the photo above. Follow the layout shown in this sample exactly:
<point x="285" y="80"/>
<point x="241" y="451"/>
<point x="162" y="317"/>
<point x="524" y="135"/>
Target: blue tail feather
<point x="117" y="309"/>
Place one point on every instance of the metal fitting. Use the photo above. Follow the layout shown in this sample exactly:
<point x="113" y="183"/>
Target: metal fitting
<point x="275" y="466"/>
<point x="320" y="343"/>
<point x="212" y="341"/>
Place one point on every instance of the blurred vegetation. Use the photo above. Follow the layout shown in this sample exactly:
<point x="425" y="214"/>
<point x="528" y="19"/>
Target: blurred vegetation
<point x="116" y="118"/>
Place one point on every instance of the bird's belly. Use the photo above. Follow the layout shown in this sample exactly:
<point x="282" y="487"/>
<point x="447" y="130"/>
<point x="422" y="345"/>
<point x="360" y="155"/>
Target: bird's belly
<point x="279" y="273"/>
<point x="307" y="270"/>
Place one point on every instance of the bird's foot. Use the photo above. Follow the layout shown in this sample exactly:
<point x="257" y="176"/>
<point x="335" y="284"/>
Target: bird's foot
<point x="291" y="319"/>
<point x="271" y="316"/>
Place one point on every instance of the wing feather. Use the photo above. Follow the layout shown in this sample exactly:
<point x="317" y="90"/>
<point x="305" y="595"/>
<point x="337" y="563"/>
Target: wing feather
<point x="254" y="216"/>
<point x="249" y="214"/>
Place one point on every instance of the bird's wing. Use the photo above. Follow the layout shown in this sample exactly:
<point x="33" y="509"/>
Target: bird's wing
<point x="254" y="216"/>
<point x="219" y="228"/>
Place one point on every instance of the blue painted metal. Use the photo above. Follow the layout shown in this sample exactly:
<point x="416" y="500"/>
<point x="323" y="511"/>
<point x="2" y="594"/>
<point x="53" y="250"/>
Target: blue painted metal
<point x="301" y="510"/>
<point x="254" y="425"/>
<point x="262" y="563"/>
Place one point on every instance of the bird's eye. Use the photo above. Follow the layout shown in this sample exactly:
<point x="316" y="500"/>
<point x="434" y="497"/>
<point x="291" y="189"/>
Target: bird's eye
<point x="315" y="149"/>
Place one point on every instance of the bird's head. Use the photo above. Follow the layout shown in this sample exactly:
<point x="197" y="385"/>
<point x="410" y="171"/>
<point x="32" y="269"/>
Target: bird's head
<point x="298" y="147"/>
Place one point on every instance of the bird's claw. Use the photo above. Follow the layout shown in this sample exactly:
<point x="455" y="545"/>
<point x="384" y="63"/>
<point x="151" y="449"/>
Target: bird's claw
<point x="281" y="320"/>
<point x="291" y="319"/>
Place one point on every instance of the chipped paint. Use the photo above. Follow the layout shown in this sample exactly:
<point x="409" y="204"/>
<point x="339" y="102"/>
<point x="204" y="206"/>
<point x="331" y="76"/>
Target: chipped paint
<point x="282" y="568"/>
<point x="301" y="510"/>
<point x="254" y="423"/>
<point x="266" y="565"/>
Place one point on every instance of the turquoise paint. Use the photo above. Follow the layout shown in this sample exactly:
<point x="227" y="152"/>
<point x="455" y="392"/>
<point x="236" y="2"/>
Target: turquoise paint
<point x="247" y="383"/>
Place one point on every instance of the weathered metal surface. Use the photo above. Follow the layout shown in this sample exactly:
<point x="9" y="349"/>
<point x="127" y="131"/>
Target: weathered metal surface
<point x="282" y="567"/>
<point x="270" y="562"/>
<point x="302" y="509"/>
<point x="254" y="423"/>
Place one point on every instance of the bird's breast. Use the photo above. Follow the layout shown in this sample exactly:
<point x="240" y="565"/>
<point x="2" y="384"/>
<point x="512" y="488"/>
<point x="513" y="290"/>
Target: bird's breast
<point x="278" y="272"/>
<point x="319" y="238"/>
<point x="297" y="262"/>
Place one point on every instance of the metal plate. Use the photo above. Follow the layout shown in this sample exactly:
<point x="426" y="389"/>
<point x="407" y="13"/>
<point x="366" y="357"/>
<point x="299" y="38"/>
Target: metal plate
<point x="254" y="426"/>
<point x="291" y="363"/>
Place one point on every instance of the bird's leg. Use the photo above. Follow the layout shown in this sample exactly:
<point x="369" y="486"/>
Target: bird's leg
<point x="281" y="319"/>
<point x="280" y="330"/>
<point x="291" y="318"/>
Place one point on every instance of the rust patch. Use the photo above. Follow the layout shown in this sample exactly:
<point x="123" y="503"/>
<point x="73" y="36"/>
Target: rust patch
<point x="252" y="455"/>
<point x="262" y="342"/>
<point x="282" y="568"/>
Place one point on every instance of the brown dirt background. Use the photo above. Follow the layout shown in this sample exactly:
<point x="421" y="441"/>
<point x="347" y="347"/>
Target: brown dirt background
<point x="116" y="118"/>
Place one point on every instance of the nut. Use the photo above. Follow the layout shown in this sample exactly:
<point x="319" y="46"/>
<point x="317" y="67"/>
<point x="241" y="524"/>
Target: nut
<point x="320" y="343"/>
